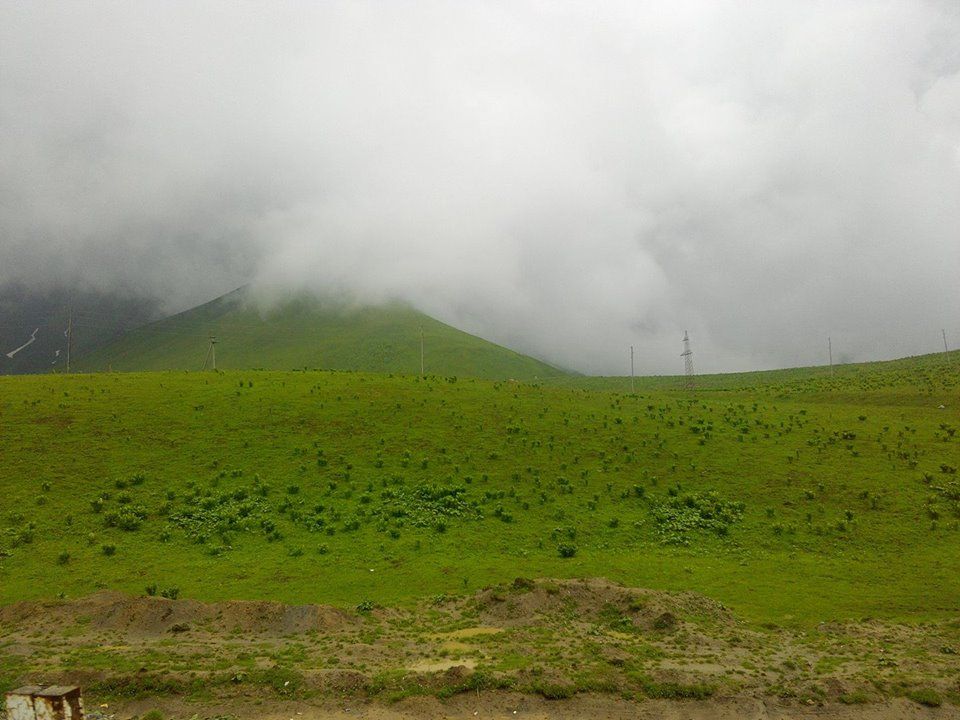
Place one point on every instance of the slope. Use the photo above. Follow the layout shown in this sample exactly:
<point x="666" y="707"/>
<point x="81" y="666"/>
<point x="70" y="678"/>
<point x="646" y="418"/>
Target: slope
<point x="349" y="487"/>
<point x="919" y="370"/>
<point x="34" y="322"/>
<point x="309" y="333"/>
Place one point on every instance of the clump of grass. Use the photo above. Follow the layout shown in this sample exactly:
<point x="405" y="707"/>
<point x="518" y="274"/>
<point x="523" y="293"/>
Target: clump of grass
<point x="857" y="697"/>
<point x="925" y="696"/>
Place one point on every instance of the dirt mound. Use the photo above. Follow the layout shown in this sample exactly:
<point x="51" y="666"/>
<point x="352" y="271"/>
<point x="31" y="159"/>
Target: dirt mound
<point x="595" y="600"/>
<point x="147" y="616"/>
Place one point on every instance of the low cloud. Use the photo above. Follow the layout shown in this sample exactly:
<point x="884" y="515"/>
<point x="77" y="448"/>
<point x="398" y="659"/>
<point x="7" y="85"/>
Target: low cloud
<point x="565" y="179"/>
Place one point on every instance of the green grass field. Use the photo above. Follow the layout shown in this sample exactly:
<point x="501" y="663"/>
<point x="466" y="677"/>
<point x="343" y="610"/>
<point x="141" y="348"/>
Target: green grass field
<point x="795" y="501"/>
<point x="305" y="333"/>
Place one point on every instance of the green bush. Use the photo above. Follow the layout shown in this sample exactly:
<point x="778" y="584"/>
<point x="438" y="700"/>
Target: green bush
<point x="128" y="517"/>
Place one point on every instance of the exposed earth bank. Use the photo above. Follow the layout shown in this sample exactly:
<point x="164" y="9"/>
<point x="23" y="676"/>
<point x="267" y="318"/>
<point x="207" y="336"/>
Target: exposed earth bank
<point x="503" y="705"/>
<point x="531" y="648"/>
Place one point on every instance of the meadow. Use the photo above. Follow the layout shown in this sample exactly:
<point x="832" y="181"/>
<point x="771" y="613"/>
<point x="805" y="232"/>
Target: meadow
<point x="793" y="503"/>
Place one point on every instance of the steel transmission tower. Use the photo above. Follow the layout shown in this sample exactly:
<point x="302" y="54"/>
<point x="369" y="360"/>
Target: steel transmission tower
<point x="687" y="356"/>
<point x="211" y="353"/>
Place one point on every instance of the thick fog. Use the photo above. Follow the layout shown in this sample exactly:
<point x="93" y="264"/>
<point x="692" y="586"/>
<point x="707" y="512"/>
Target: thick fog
<point x="566" y="179"/>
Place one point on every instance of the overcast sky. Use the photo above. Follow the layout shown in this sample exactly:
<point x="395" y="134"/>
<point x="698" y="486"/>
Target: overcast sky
<point x="566" y="179"/>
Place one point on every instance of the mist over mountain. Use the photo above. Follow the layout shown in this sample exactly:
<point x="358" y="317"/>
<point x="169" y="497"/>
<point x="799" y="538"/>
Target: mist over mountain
<point x="38" y="324"/>
<point x="563" y="179"/>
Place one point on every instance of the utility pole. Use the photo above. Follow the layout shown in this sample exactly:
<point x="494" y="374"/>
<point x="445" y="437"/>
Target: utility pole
<point x="830" y="350"/>
<point x="631" y="369"/>
<point x="944" y="333"/>
<point x="421" y="351"/>
<point x="211" y="354"/>
<point x="687" y="356"/>
<point x="69" y="337"/>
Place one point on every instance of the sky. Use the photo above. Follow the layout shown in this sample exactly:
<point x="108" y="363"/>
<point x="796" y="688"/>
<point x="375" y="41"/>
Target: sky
<point x="567" y="179"/>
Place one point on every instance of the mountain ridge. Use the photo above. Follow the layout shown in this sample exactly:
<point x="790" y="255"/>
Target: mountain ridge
<point x="303" y="331"/>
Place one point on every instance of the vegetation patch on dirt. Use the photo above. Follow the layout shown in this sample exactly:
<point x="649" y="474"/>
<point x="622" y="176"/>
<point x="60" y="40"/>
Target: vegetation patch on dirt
<point x="551" y="638"/>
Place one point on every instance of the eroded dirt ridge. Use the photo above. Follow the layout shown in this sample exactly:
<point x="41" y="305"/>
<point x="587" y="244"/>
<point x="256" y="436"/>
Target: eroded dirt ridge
<point x="550" y="638"/>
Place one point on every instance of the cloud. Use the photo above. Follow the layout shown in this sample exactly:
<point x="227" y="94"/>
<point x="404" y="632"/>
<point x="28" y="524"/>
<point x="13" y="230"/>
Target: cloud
<point x="567" y="179"/>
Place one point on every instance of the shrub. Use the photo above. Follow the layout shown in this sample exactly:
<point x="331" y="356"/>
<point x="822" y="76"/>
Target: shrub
<point x="566" y="550"/>
<point x="128" y="517"/>
<point x="108" y="550"/>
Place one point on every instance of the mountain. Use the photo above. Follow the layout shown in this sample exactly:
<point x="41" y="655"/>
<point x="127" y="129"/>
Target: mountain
<point x="305" y="332"/>
<point x="35" y="323"/>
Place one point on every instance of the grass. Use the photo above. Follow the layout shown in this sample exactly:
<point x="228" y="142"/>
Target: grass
<point x="921" y="373"/>
<point x="792" y="503"/>
<point x="307" y="333"/>
<point x="925" y="696"/>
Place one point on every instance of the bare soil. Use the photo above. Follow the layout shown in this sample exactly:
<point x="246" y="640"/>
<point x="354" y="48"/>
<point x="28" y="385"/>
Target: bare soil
<point x="534" y="649"/>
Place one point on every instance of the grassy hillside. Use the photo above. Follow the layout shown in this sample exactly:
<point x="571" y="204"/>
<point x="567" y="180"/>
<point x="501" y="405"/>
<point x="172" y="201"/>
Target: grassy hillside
<point x="837" y="499"/>
<point x="306" y="333"/>
<point x="920" y="372"/>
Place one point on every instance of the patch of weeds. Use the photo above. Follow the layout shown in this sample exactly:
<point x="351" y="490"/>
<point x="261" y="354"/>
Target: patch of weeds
<point x="126" y="517"/>
<point x="141" y="686"/>
<point x="280" y="679"/>
<point x="476" y="681"/>
<point x="675" y="691"/>
<point x="677" y="517"/>
<point x="426" y="506"/>
<point x="857" y="697"/>
<point x="925" y="696"/>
